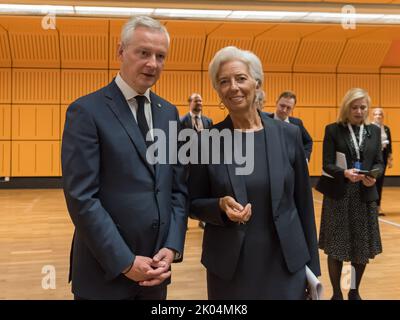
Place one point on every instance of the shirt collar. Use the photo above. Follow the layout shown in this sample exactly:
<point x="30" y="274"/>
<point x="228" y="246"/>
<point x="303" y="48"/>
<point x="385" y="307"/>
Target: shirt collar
<point x="127" y="91"/>
<point x="277" y="118"/>
<point x="193" y="115"/>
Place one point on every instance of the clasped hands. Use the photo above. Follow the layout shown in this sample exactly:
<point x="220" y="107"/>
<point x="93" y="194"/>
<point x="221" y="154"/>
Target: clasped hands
<point x="151" y="271"/>
<point x="234" y="210"/>
<point x="354" y="177"/>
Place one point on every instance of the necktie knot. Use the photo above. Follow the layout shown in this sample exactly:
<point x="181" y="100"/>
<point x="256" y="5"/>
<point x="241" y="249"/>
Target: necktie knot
<point x="141" y="118"/>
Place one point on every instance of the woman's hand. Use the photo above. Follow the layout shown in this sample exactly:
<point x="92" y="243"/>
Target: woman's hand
<point x="368" y="181"/>
<point x="234" y="210"/>
<point x="353" y="175"/>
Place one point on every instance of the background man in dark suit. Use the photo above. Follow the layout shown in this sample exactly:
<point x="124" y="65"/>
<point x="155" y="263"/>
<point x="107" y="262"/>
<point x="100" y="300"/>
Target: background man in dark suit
<point x="194" y="119"/>
<point x="284" y="107"/>
<point x="129" y="216"/>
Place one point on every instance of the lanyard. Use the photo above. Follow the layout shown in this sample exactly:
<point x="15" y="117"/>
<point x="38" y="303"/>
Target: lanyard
<point x="353" y="136"/>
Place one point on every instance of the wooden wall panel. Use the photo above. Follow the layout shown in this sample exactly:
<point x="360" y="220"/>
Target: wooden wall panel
<point x="84" y="43"/>
<point x="5" y="51"/>
<point x="63" y="111"/>
<point x="308" y="116"/>
<point x="35" y="158"/>
<point x="31" y="86"/>
<point x="35" y="48"/>
<point x="315" y="164"/>
<point x="33" y="122"/>
<point x="5" y="87"/>
<point x="322" y="117"/>
<point x="315" y="90"/>
<point x="275" y="84"/>
<point x="115" y="38"/>
<point x="217" y="114"/>
<point x="76" y="83"/>
<point x="178" y="85"/>
<point x="395" y="170"/>
<point x="210" y="96"/>
<point x="392" y="119"/>
<point x="5" y="158"/>
<point x="369" y="82"/>
<point x="112" y="73"/>
<point x="5" y="122"/>
<point x="390" y="90"/>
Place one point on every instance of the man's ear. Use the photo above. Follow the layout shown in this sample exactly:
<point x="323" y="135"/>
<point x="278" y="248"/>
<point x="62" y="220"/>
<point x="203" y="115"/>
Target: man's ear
<point x="120" y="50"/>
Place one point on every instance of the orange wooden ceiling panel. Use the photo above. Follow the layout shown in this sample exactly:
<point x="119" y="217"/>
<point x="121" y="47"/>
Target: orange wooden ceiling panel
<point x="318" y="55"/>
<point x="392" y="58"/>
<point x="5" y="52"/>
<point x="276" y="54"/>
<point x="363" y="56"/>
<point x="188" y="40"/>
<point x="84" y="43"/>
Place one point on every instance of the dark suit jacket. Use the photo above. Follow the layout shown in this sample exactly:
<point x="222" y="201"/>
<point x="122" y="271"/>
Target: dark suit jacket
<point x="305" y="136"/>
<point x="388" y="150"/>
<point x="337" y="139"/>
<point x="186" y="122"/>
<point x="292" y="204"/>
<point x="121" y="205"/>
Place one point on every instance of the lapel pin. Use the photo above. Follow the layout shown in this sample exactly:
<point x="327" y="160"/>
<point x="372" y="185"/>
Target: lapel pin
<point x="159" y="105"/>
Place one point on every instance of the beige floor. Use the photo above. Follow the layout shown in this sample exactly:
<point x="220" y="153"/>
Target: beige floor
<point x="35" y="235"/>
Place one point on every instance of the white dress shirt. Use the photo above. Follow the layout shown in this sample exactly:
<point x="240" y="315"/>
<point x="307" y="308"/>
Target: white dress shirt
<point x="130" y="95"/>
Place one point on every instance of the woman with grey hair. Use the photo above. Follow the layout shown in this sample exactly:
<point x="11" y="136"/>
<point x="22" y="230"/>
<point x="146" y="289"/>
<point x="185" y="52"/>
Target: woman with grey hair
<point x="349" y="219"/>
<point x="260" y="231"/>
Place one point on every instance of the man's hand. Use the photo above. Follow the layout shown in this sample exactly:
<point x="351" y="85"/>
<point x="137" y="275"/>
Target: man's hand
<point x="141" y="266"/>
<point x="160" y="268"/>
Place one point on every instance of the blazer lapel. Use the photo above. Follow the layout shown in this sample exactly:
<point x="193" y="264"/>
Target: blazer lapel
<point x="237" y="181"/>
<point x="275" y="160"/>
<point x="119" y="106"/>
<point x="159" y="123"/>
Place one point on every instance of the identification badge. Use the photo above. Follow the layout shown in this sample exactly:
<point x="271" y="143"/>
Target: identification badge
<point x="358" y="165"/>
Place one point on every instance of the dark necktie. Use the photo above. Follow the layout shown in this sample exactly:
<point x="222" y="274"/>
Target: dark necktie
<point x="196" y="123"/>
<point x="141" y="119"/>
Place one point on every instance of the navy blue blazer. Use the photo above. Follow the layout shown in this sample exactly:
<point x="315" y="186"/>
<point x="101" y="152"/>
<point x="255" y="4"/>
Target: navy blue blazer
<point x="186" y="121"/>
<point x="121" y="205"/>
<point x="292" y="203"/>
<point x="305" y="136"/>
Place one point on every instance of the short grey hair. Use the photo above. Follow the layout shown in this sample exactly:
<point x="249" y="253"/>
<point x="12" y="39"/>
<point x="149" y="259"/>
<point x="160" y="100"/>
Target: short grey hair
<point x="141" y="22"/>
<point x="232" y="53"/>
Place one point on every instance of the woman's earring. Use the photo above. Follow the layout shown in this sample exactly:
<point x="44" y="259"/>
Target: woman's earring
<point x="221" y="105"/>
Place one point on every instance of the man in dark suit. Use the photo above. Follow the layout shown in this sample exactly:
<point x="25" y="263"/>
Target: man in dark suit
<point x="194" y="119"/>
<point x="284" y="107"/>
<point x="129" y="215"/>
